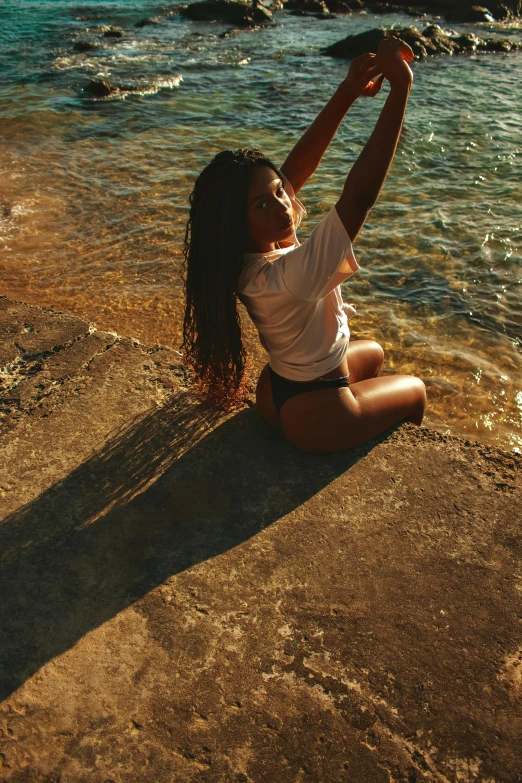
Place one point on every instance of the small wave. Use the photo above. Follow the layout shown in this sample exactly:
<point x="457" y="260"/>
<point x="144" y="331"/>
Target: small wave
<point x="166" y="84"/>
<point x="73" y="61"/>
<point x="104" y="90"/>
<point x="169" y="83"/>
<point x="151" y="57"/>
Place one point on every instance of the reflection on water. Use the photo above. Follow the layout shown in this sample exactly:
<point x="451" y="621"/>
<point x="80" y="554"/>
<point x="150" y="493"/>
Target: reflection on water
<point x="93" y="199"/>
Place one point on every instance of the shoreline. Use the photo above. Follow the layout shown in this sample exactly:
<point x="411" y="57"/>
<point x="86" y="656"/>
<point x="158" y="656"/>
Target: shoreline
<point x="257" y="357"/>
<point x="189" y="597"/>
<point x="94" y="223"/>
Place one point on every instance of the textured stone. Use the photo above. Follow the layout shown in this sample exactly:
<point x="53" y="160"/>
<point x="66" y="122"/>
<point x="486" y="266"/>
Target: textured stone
<point x="433" y="40"/>
<point x="239" y="14"/>
<point x="186" y="597"/>
<point x="465" y="10"/>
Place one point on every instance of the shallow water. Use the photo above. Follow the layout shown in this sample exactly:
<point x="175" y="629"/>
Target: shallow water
<point x="94" y="193"/>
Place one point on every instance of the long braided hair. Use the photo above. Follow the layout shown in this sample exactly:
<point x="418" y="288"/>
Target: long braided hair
<point x="215" y="240"/>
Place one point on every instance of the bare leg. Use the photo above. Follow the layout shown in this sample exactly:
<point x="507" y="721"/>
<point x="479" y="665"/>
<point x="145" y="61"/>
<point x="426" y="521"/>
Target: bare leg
<point x="364" y="360"/>
<point x="336" y="419"/>
<point x="332" y="420"/>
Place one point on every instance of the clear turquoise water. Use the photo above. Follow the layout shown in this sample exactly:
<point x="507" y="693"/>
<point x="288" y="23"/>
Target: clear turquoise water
<point x="93" y="193"/>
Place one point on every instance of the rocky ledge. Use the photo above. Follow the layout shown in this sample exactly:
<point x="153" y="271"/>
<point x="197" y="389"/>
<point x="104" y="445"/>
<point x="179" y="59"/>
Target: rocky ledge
<point x="239" y="14"/>
<point x="432" y="40"/>
<point x="242" y="15"/>
<point x="245" y="14"/>
<point x="186" y="597"/>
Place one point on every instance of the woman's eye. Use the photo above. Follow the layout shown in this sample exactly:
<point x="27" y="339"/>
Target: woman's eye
<point x="262" y="204"/>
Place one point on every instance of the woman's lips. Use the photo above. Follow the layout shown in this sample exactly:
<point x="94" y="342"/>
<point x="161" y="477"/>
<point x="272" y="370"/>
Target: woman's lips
<point x="287" y="222"/>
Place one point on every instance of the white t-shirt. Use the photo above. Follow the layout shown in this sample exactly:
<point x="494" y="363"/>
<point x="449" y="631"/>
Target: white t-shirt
<point x="293" y="296"/>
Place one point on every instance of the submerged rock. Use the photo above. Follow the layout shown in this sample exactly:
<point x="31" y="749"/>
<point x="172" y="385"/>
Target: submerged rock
<point x="498" y="45"/>
<point x="149" y="21"/>
<point x="239" y="14"/>
<point x="84" y="46"/>
<point x="113" y="32"/>
<point x="454" y="10"/>
<point x="433" y="40"/>
<point x="390" y="8"/>
<point x="307" y="7"/>
<point x="243" y="14"/>
<point x="99" y="88"/>
<point x="467" y="43"/>
<point x="341" y="7"/>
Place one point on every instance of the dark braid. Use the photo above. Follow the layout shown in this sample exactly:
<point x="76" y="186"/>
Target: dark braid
<point x="215" y="240"/>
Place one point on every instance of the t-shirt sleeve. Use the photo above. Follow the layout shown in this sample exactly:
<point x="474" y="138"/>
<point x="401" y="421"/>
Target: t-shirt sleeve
<point x="311" y="271"/>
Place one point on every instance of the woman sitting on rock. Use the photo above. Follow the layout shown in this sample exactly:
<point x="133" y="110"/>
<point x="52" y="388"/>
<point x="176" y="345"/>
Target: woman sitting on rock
<point x="322" y="390"/>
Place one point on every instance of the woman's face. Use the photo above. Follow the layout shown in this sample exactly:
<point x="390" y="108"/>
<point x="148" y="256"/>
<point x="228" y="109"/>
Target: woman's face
<point x="270" y="212"/>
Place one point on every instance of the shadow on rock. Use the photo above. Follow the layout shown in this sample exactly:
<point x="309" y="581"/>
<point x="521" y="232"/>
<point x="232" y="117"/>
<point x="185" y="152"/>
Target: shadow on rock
<point x="175" y="488"/>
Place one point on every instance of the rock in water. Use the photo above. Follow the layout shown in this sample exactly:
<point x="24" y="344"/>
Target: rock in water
<point x="99" y="88"/>
<point x="474" y="13"/>
<point x="84" y="46"/>
<point x="433" y="40"/>
<point x="340" y="7"/>
<point x="390" y="8"/>
<point x="307" y="7"/>
<point x="113" y="32"/>
<point x="149" y="21"/>
<point x="454" y="10"/>
<point x="239" y="14"/>
<point x="498" y="45"/>
<point x="354" y="45"/>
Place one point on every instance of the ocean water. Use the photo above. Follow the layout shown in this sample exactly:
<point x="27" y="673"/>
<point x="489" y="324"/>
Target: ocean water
<point x="93" y="192"/>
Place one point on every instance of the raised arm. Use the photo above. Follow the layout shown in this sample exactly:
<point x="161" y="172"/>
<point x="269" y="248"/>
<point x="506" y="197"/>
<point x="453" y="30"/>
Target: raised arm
<point x="366" y="178"/>
<point x="307" y="153"/>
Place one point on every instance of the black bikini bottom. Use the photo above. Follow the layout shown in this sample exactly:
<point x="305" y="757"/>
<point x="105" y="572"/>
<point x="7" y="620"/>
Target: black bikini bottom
<point x="283" y="389"/>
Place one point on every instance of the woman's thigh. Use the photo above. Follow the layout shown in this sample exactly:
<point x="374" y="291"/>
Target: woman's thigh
<point x="329" y="420"/>
<point x="365" y="359"/>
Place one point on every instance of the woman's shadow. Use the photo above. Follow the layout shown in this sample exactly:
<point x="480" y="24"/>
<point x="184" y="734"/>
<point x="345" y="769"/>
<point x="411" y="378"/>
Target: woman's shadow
<point x="178" y="486"/>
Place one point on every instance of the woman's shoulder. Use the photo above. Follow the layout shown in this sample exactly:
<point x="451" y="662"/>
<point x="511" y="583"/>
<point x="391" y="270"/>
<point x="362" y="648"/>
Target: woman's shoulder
<point x="259" y="270"/>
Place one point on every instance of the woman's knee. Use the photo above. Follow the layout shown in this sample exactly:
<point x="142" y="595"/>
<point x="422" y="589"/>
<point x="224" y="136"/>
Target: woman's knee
<point x="376" y="352"/>
<point x="379" y="355"/>
<point x="419" y="399"/>
<point x="365" y="359"/>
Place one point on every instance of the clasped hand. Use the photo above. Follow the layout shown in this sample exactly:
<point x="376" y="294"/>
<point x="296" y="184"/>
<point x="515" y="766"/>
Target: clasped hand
<point x="366" y="73"/>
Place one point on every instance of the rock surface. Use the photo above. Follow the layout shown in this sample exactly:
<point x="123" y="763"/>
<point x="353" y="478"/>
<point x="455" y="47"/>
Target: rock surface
<point x="433" y="40"/>
<point x="99" y="88"/>
<point x="475" y="13"/>
<point x="243" y="14"/>
<point x="186" y="597"/>
<point x="463" y="10"/>
<point x="113" y="32"/>
<point x="149" y="21"/>
<point x="84" y="46"/>
<point x="237" y="13"/>
<point x="316" y="8"/>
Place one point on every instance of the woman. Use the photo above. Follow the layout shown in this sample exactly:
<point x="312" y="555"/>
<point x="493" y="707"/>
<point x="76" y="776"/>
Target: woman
<point x="323" y="391"/>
